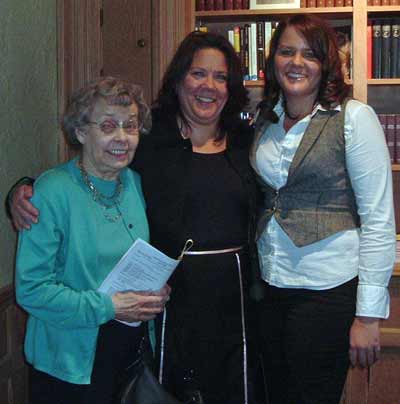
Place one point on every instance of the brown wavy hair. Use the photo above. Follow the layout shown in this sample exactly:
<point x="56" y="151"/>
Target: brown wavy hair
<point x="322" y="40"/>
<point x="167" y="102"/>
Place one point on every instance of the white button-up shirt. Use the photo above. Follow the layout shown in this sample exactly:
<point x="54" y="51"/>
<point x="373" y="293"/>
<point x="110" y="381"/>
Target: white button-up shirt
<point x="368" y="252"/>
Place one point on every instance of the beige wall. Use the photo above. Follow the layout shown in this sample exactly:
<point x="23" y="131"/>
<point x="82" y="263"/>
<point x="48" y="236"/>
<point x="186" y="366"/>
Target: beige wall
<point x="28" y="103"/>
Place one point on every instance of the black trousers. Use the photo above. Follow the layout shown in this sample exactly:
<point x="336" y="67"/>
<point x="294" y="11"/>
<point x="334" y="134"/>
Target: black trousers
<point x="304" y="337"/>
<point x="117" y="347"/>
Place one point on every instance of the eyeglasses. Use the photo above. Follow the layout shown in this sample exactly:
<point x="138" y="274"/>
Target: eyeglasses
<point x="109" y="126"/>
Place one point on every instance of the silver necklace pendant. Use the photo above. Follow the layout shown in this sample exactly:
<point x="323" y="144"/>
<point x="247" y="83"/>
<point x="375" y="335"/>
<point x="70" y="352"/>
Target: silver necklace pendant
<point x="106" y="202"/>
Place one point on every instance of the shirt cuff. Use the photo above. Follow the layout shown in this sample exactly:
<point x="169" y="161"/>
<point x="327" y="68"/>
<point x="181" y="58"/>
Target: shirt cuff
<point x="373" y="301"/>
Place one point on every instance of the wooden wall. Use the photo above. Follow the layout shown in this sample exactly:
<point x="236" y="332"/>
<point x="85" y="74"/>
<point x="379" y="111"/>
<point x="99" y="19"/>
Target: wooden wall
<point x="13" y="371"/>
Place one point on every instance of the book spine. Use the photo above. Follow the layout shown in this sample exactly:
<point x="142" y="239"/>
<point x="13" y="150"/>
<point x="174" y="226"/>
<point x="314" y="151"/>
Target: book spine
<point x="246" y="52"/>
<point x="386" y="35"/>
<point x="236" y="40"/>
<point x="303" y="3"/>
<point x="320" y="3"/>
<point x="385" y="2"/>
<point x="245" y="4"/>
<point x="267" y="37"/>
<point x="395" y="48"/>
<point x="218" y="4"/>
<point x="369" y="51"/>
<point x="376" y="2"/>
<point x="329" y="3"/>
<point x="253" y="48"/>
<point x="376" y="49"/>
<point x="199" y="5"/>
<point x="397" y="135"/>
<point x="231" y="37"/>
<point x="348" y="3"/>
<point x="311" y="3"/>
<point x="237" y="4"/>
<point x="242" y="50"/>
<point x="260" y="50"/>
<point x="394" y="2"/>
<point x="369" y="2"/>
<point x="228" y="4"/>
<point x="390" y="135"/>
<point x="208" y="5"/>
<point x="339" y="3"/>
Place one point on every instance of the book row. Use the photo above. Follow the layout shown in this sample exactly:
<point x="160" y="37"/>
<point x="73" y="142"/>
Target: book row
<point x="251" y="43"/>
<point x="216" y="5"/>
<point x="383" y="2"/>
<point x="210" y="5"/>
<point x="391" y="127"/>
<point x="325" y="3"/>
<point x="383" y="49"/>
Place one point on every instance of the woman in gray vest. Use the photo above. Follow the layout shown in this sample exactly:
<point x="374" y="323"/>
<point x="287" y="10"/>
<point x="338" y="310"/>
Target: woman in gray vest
<point x="326" y="233"/>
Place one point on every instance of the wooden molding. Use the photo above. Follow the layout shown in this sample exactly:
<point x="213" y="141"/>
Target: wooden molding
<point x="79" y="51"/>
<point x="172" y="21"/>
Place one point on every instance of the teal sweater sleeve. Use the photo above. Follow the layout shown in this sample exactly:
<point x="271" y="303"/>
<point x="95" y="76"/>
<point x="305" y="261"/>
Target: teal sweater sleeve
<point x="47" y="286"/>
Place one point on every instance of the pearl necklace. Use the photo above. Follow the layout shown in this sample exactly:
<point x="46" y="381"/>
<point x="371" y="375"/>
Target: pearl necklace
<point x="106" y="202"/>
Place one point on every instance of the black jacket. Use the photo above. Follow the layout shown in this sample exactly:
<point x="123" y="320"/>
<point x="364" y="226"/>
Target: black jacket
<point x="162" y="161"/>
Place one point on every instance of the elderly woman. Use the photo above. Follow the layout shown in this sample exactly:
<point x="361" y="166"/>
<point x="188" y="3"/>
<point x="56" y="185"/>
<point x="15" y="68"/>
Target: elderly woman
<point x="326" y="235"/>
<point x="92" y="210"/>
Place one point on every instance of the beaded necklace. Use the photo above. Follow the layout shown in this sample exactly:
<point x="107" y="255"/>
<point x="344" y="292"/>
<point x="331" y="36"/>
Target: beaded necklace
<point x="106" y="202"/>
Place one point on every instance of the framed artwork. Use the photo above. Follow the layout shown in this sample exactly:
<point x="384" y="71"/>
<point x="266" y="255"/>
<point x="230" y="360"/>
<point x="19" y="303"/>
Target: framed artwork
<point x="270" y="4"/>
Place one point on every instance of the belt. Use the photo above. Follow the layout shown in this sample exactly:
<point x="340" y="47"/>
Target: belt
<point x="211" y="252"/>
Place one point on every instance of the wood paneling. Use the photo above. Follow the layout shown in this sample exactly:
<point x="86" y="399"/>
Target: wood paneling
<point x="13" y="370"/>
<point x="79" y="51"/>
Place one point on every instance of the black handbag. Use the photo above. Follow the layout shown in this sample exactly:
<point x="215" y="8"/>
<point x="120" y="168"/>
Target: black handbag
<point x="144" y="388"/>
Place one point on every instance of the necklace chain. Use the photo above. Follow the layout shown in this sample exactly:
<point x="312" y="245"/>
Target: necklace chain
<point x="106" y="202"/>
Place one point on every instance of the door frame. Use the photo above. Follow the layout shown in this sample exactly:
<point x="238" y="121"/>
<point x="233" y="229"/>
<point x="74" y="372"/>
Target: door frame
<point x="79" y="41"/>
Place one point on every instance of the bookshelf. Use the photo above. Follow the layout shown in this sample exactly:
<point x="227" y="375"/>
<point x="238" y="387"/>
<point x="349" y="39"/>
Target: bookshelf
<point x="358" y="14"/>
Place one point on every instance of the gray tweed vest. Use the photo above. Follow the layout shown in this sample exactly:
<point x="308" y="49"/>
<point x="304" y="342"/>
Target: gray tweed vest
<point x="317" y="200"/>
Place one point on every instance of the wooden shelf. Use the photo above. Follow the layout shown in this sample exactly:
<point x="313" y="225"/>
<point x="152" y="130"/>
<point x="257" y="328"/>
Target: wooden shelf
<point x="396" y="270"/>
<point x="381" y="82"/>
<point x="260" y="83"/>
<point x="254" y="83"/>
<point x="382" y="9"/>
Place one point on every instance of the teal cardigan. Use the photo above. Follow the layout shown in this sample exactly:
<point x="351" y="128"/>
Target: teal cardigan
<point x="62" y="261"/>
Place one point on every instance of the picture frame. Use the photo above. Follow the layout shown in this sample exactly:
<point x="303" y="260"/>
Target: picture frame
<point x="273" y="4"/>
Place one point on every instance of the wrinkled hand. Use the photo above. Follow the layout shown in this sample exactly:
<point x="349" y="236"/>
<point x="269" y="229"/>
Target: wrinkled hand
<point x="140" y="306"/>
<point x="22" y="211"/>
<point x="364" y="341"/>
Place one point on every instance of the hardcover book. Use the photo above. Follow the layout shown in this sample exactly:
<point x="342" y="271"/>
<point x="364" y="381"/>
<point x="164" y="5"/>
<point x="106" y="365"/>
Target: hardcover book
<point x="260" y="50"/>
<point x="395" y="50"/>
<point x="218" y="4"/>
<point x="369" y="50"/>
<point x="376" y="49"/>
<point x="208" y="5"/>
<point x="386" y="46"/>
<point x="199" y="5"/>
<point x="228" y="4"/>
